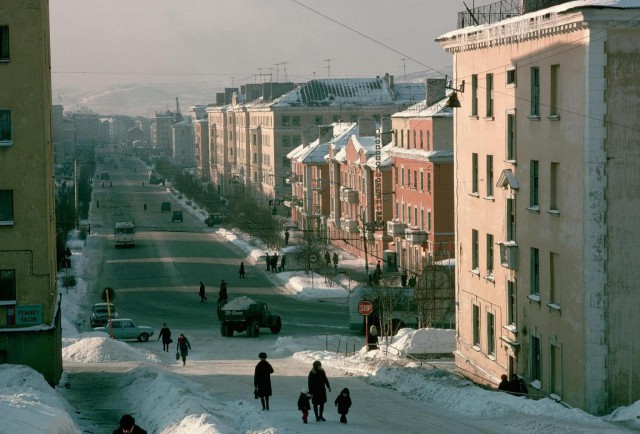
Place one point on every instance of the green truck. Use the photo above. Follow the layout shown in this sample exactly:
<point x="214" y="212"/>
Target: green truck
<point x="244" y="314"/>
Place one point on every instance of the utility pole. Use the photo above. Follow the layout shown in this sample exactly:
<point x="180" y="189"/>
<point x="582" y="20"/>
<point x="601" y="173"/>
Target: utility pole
<point x="328" y="67"/>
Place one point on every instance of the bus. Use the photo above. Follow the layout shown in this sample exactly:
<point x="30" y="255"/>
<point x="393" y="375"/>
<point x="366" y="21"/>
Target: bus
<point x="124" y="234"/>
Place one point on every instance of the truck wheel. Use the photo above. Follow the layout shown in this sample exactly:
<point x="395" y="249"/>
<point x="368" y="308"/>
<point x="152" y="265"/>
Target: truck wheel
<point x="229" y="330"/>
<point x="254" y="329"/>
<point x="223" y="329"/>
<point x="276" y="325"/>
<point x="144" y="337"/>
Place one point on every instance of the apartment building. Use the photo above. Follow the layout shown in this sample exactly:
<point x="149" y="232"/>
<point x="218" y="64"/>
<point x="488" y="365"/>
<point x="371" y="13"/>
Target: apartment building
<point x="423" y="222"/>
<point x="30" y="331"/>
<point x="545" y="146"/>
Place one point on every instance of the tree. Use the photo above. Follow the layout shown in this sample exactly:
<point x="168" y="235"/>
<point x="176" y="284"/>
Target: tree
<point x="435" y="296"/>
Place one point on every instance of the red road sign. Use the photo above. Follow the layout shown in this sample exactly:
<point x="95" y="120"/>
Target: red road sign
<point x="365" y="308"/>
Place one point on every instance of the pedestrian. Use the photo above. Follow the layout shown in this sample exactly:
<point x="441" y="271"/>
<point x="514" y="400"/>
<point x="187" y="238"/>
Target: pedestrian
<point x="378" y="269"/>
<point x="317" y="381"/>
<point x="372" y="338"/>
<point x="327" y="258"/>
<point x="202" y="294"/>
<point x="343" y="402"/>
<point x="517" y="386"/>
<point x="283" y="262"/>
<point x="504" y="384"/>
<point x="128" y="426"/>
<point x="304" y="404"/>
<point x="262" y="380"/>
<point x="145" y="207"/>
<point x="403" y="278"/>
<point x="268" y="259"/>
<point x="274" y="263"/>
<point x="183" y="348"/>
<point x="97" y="201"/>
<point x="335" y="260"/>
<point x="286" y="237"/>
<point x="165" y="334"/>
<point x="222" y="295"/>
<point x="241" y="271"/>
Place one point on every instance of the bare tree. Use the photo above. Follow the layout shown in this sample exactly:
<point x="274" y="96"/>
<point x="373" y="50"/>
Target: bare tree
<point x="435" y="296"/>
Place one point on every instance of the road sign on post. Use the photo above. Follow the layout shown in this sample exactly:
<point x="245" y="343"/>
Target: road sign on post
<point x="365" y="308"/>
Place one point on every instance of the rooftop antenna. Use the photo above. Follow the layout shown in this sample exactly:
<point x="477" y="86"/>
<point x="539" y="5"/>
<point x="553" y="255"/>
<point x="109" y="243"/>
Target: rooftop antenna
<point x="328" y="67"/>
<point x="284" y="67"/>
<point x="404" y="68"/>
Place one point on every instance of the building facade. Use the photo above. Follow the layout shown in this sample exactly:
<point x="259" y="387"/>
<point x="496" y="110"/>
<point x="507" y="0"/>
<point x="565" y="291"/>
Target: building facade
<point x="30" y="331"/>
<point x="546" y="204"/>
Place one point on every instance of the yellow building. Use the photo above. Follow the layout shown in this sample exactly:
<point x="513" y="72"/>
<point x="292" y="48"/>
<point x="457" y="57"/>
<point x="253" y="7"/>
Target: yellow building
<point x="546" y="199"/>
<point x="29" y="303"/>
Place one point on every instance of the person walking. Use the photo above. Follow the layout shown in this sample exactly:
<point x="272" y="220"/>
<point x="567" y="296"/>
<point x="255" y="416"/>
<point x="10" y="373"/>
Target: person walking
<point x="262" y="380"/>
<point x="317" y="381"/>
<point x="241" y="271"/>
<point x="128" y="425"/>
<point x="335" y="260"/>
<point x="165" y="334"/>
<point x="274" y="263"/>
<point x="286" y="237"/>
<point x="283" y="262"/>
<point x="183" y="348"/>
<point x="222" y="295"/>
<point x="343" y="402"/>
<point x="268" y="259"/>
<point x="203" y="297"/>
<point x="504" y="383"/>
<point x="304" y="404"/>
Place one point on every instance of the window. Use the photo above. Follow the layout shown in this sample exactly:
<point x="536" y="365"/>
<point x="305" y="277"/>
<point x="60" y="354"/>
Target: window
<point x="536" y="359"/>
<point x="553" y="100"/>
<point x="415" y="142"/>
<point x="295" y="121"/>
<point x="535" y="271"/>
<point x="474" y="250"/>
<point x="511" y="302"/>
<point x="474" y="95"/>
<point x="428" y="140"/>
<point x="6" y="207"/>
<point x="554" y="268"/>
<point x="5" y="126"/>
<point x="511" y="136"/>
<point x="489" y="95"/>
<point x="285" y="121"/>
<point x="476" y="325"/>
<point x="415" y="179"/>
<point x="421" y="139"/>
<point x="491" y="334"/>
<point x="285" y="142"/>
<point x="511" y="220"/>
<point x="336" y="118"/>
<point x="4" y="44"/>
<point x="533" y="185"/>
<point x="318" y="120"/>
<point x="402" y="177"/>
<point x="474" y="173"/>
<point x="421" y="180"/>
<point x="429" y="221"/>
<point x="429" y="183"/>
<point x="553" y="187"/>
<point x="489" y="254"/>
<point x="7" y="286"/>
<point x="511" y="76"/>
<point x="535" y="92"/>
<point x="395" y="172"/>
<point x="415" y="215"/>
<point x="295" y="140"/>
<point x="489" y="175"/>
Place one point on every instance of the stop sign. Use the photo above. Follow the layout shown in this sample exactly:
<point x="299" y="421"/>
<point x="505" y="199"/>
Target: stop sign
<point x="365" y="308"/>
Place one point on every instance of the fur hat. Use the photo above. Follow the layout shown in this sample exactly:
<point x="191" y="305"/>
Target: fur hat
<point x="345" y="390"/>
<point x="262" y="355"/>
<point x="317" y="364"/>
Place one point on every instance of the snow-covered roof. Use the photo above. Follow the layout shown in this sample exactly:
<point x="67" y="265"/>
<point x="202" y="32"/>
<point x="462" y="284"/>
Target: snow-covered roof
<point x="439" y="156"/>
<point x="385" y="158"/>
<point x="565" y="7"/>
<point x="422" y="110"/>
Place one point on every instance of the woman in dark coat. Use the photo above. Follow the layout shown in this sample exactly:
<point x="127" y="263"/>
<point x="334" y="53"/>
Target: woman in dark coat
<point x="317" y="382"/>
<point x="241" y="271"/>
<point x="262" y="380"/>
<point x="183" y="348"/>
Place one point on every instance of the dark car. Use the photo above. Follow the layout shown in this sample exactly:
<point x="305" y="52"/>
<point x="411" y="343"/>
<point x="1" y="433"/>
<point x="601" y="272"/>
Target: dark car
<point x="214" y="219"/>
<point x="165" y="207"/>
<point x="100" y="314"/>
<point x="177" y="216"/>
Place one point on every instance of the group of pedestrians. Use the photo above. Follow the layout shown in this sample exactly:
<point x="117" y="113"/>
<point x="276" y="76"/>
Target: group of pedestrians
<point x="272" y="262"/>
<point x="222" y="294"/>
<point x="515" y="386"/>
<point x="183" y="347"/>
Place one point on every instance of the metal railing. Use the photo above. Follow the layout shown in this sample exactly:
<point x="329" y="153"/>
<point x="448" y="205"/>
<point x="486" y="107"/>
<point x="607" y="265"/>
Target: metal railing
<point x="502" y="10"/>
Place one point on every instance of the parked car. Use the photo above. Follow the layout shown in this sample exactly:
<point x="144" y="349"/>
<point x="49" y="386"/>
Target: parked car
<point x="214" y="219"/>
<point x="100" y="314"/>
<point x="165" y="207"/>
<point x="177" y="216"/>
<point x="125" y="328"/>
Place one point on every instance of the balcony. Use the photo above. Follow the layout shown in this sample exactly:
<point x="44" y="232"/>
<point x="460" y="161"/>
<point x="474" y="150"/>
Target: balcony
<point x="293" y="178"/>
<point x="315" y="211"/>
<point x="350" y="225"/>
<point x="395" y="228"/>
<point x="509" y="254"/>
<point x="348" y="195"/>
<point x="415" y="235"/>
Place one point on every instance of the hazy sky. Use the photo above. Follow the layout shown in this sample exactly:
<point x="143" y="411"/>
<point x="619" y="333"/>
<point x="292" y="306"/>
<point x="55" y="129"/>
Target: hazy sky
<point x="105" y="42"/>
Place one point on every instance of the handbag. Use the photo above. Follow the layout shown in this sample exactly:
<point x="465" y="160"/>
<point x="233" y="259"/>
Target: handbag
<point x="170" y="340"/>
<point x="177" y="355"/>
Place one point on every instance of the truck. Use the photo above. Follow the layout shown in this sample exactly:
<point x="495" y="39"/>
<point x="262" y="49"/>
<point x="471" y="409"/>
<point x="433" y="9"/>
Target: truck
<point x="124" y="234"/>
<point x="244" y="314"/>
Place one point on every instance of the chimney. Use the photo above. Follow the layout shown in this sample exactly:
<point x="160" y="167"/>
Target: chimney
<point x="435" y="90"/>
<point x="366" y="127"/>
<point x="325" y="133"/>
<point x="309" y="134"/>
<point x="389" y="79"/>
<point x="385" y="135"/>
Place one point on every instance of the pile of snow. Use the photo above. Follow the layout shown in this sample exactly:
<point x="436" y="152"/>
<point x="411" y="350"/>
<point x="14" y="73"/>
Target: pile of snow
<point x="240" y="303"/>
<point x="97" y="347"/>
<point x="312" y="285"/>
<point x="422" y="341"/>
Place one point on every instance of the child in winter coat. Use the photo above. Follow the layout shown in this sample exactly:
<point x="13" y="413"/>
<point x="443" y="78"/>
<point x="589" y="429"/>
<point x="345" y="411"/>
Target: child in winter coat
<point x="303" y="404"/>
<point x="343" y="402"/>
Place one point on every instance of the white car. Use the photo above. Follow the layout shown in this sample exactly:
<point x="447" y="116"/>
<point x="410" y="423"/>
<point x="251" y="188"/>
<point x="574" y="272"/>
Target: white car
<point x="125" y="328"/>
